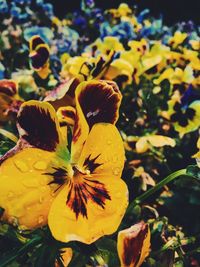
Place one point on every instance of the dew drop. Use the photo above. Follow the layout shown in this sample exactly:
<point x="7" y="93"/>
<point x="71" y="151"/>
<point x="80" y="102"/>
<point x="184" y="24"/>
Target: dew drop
<point x="21" y="165"/>
<point x="10" y="195"/>
<point x="30" y="182"/>
<point x="109" y="142"/>
<point x="28" y="208"/>
<point x="41" y="219"/>
<point x="41" y="199"/>
<point x="53" y="194"/>
<point x="40" y="165"/>
<point x="116" y="171"/>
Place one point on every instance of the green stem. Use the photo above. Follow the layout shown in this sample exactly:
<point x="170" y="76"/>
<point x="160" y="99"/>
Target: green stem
<point x="17" y="252"/>
<point x="157" y="187"/>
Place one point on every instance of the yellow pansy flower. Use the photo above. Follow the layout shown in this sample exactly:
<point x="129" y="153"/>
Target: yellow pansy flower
<point x="176" y="76"/>
<point x="145" y="142"/>
<point x="120" y="71"/>
<point x="165" y="75"/>
<point x="133" y="245"/>
<point x="182" y="76"/>
<point x="81" y="196"/>
<point x="184" y="119"/>
<point x="139" y="46"/>
<point x="195" y="44"/>
<point x="87" y="67"/>
<point x="39" y="55"/>
<point x="124" y="10"/>
<point x="177" y="39"/>
<point x="109" y="43"/>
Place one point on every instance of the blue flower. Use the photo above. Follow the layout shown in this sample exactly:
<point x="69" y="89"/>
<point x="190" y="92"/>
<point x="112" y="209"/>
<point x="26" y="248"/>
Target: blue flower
<point x="124" y="30"/>
<point x="189" y="96"/>
<point x="16" y="12"/>
<point x="23" y="2"/>
<point x="48" y="9"/>
<point x="68" y="41"/>
<point x="3" y="6"/>
<point x="143" y="14"/>
<point x="45" y="33"/>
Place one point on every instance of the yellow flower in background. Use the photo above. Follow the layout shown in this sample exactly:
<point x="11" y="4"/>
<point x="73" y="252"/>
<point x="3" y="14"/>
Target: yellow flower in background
<point x="146" y="142"/>
<point x="81" y="196"/>
<point x="184" y="119"/>
<point x="187" y="120"/>
<point x="176" y="76"/>
<point x="141" y="46"/>
<point x="9" y="99"/>
<point x="133" y="245"/>
<point x="121" y="71"/>
<point x="182" y="76"/>
<point x="39" y="55"/>
<point x="177" y="39"/>
<point x="145" y="177"/>
<point x="124" y="10"/>
<point x="165" y="75"/>
<point x="109" y="43"/>
<point x="66" y="256"/>
<point x="87" y="67"/>
<point x="195" y="44"/>
<point x="192" y="57"/>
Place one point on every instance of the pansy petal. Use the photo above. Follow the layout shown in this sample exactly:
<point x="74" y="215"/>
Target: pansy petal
<point x="40" y="56"/>
<point x="25" y="193"/>
<point x="65" y="257"/>
<point x="103" y="152"/>
<point x="133" y="245"/>
<point x="8" y="87"/>
<point x="194" y="123"/>
<point x="35" y="41"/>
<point x="144" y="143"/>
<point x="64" y="94"/>
<point x="66" y="115"/>
<point x="96" y="101"/>
<point x="5" y="103"/>
<point x="99" y="101"/>
<point x="38" y="125"/>
<point x="89" y="210"/>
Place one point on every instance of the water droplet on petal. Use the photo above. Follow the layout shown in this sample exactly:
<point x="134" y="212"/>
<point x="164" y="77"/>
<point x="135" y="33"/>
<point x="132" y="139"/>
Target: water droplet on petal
<point x="41" y="199"/>
<point x="109" y="142"/>
<point x="116" y="171"/>
<point x="41" y="219"/>
<point x="21" y="165"/>
<point x="40" y="165"/>
<point x="53" y="194"/>
<point x="30" y="183"/>
<point x="28" y="208"/>
<point x="10" y="195"/>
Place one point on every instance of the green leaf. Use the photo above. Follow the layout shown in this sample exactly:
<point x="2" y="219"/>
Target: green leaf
<point x="193" y="170"/>
<point x="15" y="253"/>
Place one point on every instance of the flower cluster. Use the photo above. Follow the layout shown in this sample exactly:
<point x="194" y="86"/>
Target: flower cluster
<point x="95" y="109"/>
